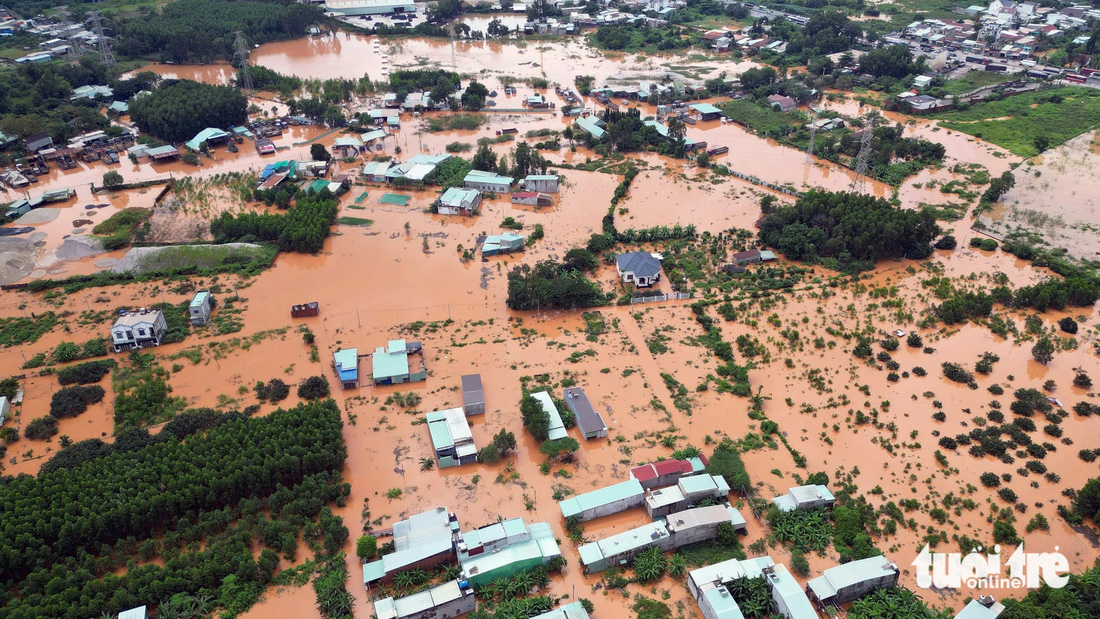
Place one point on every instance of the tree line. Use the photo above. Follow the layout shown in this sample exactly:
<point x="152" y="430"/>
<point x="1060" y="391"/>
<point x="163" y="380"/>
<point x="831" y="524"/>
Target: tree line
<point x="303" y="228"/>
<point x="178" y="110"/>
<point x="550" y="285"/>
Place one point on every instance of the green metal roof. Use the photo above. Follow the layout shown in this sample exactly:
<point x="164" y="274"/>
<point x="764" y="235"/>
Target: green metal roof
<point x="200" y="298"/>
<point x="373" y="571"/>
<point x="389" y="364"/>
<point x="575" y="505"/>
<point x="705" y="108"/>
<point x="722" y="603"/>
<point x="590" y="553"/>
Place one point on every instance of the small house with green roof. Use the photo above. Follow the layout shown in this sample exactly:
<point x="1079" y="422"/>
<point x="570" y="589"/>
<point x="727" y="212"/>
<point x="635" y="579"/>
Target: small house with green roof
<point x="391" y="364"/>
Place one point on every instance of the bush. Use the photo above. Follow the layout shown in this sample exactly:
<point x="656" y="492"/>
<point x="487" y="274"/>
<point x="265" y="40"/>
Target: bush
<point x="726" y="461"/>
<point x="1068" y="325"/>
<point x="949" y="443"/>
<point x="85" y="373"/>
<point x="990" y="480"/>
<point x="1082" y="380"/>
<point x="946" y="242"/>
<point x="272" y="391"/>
<point x="1007" y="495"/>
<point x="799" y="564"/>
<point x="890" y="343"/>
<point x="957" y="373"/>
<point x="1005" y="533"/>
<point x="313" y="388"/>
<point x="366" y="547"/>
<point x="988" y="245"/>
<point x="914" y="340"/>
<point x="41" y="428"/>
<point x="919" y="371"/>
<point x="72" y="401"/>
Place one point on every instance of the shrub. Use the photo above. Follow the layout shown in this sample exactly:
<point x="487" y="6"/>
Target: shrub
<point x="946" y="242"/>
<point x="313" y="388"/>
<point x="274" y="390"/>
<point x="914" y="340"/>
<point x="949" y="443"/>
<point x="41" y="428"/>
<point x="1053" y="430"/>
<point x="1005" y="533"/>
<point x="957" y="373"/>
<point x="988" y="245"/>
<point x="72" y="401"/>
<point x="1007" y="495"/>
<point x="799" y="564"/>
<point x="1068" y="325"/>
<point x="1082" y="380"/>
<point x="890" y="343"/>
<point x="366" y="547"/>
<point x="990" y="480"/>
<point x="85" y="373"/>
<point x="919" y="371"/>
<point x="1088" y="455"/>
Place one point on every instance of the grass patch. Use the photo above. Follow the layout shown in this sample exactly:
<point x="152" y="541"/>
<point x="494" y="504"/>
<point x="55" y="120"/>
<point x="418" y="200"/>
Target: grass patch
<point x="764" y="120"/>
<point x="354" y="221"/>
<point x="456" y="122"/>
<point x="974" y="80"/>
<point x="202" y="257"/>
<point x="25" y="330"/>
<point x="1059" y="115"/>
<point x="118" y="229"/>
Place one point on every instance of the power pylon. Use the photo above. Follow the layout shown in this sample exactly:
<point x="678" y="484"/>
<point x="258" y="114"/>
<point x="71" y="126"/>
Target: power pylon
<point x="813" y="134"/>
<point x="101" y="41"/>
<point x="860" y="181"/>
<point x="242" y="63"/>
<point x="76" y="49"/>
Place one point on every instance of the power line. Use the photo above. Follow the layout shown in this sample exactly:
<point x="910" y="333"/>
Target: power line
<point x="245" y="75"/>
<point x="101" y="41"/>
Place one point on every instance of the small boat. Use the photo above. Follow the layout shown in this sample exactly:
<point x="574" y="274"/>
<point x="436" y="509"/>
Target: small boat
<point x="899" y="332"/>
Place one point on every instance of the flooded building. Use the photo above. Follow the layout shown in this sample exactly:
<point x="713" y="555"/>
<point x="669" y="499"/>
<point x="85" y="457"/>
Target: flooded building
<point x="709" y="586"/>
<point x="458" y="201"/>
<point x="5" y="408"/>
<point x="619" y="550"/>
<point x="589" y="422"/>
<point x="592" y="126"/>
<point x="487" y="181"/>
<point x="264" y="146"/>
<point x="604" y="501"/>
<point x="391" y="364"/>
<point x="556" y="430"/>
<point x="305" y="309"/>
<point x="211" y="136"/>
<point x="450" y="599"/>
<point x="134" y="613"/>
<point x="473" y="395"/>
<point x="504" y="549"/>
<point x="416" y="170"/>
<point x="701" y="523"/>
<point x="753" y="255"/>
<point x="423" y="541"/>
<point x="369" y="7"/>
<point x="782" y="103"/>
<point x="687" y="492"/>
<point x="140" y="329"/>
<point x="843" y="583"/>
<point x="804" y="497"/>
<point x="200" y="306"/>
<point x="346" y="364"/>
<point x="641" y="268"/>
<point x="452" y="440"/>
<point x="162" y="153"/>
<point x="502" y="244"/>
<point x="568" y="611"/>
<point x="540" y="182"/>
<point x="663" y="472"/>
<point x="532" y="198"/>
<point x="375" y="171"/>
<point x="984" y="607"/>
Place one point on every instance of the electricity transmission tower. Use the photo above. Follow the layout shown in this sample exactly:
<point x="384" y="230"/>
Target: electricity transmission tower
<point x="62" y="14"/>
<point x="245" y="81"/>
<point x="860" y="181"/>
<point x="813" y="134"/>
<point x="104" y="49"/>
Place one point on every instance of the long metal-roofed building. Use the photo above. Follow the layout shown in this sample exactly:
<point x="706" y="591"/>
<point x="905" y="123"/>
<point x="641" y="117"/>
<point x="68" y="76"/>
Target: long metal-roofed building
<point x="687" y="491"/>
<point x="701" y="523"/>
<point x="620" y="549"/>
<point x="390" y="365"/>
<point x="706" y="111"/>
<point x="843" y="583"/>
<point x="709" y="587"/>
<point x="473" y="395"/>
<point x="487" y="181"/>
<point x="556" y="430"/>
<point x="452" y="441"/>
<point x="422" y="541"/>
<point x="604" y="501"/>
<point x="567" y="611"/>
<point x="504" y="549"/>
<point x="591" y="125"/>
<point x="666" y="472"/>
<point x="353" y="8"/>
<point x="589" y="422"/>
<point x="805" y="497"/>
<point x="444" y="601"/>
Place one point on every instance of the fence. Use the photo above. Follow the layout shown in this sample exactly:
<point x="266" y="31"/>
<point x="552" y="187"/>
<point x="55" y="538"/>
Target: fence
<point x="661" y="297"/>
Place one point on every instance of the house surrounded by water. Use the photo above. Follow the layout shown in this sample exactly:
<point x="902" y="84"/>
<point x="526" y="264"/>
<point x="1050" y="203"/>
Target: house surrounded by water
<point x="199" y="308"/>
<point x="589" y="422"/>
<point x="138" y="329"/>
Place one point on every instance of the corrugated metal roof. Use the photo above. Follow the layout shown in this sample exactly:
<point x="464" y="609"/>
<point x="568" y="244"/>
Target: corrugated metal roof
<point x="557" y="428"/>
<point x="569" y="611"/>
<point x="640" y="537"/>
<point x="582" y="502"/>
<point x="841" y="576"/>
<point x="794" y="597"/>
<point x="721" y="603"/>
<point x="347" y="364"/>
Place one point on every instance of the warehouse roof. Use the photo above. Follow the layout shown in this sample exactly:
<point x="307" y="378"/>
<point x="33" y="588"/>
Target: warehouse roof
<point x="575" y="505"/>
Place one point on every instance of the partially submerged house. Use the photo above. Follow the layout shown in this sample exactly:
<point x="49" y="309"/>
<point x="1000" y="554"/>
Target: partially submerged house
<point x="458" y="201"/>
<point x="305" y="309"/>
<point x="450" y="599"/>
<point x="211" y="136"/>
<point x="504" y="549"/>
<point x="423" y="541"/>
<point x="532" y="198"/>
<point x="619" y="550"/>
<point x="984" y="607"/>
<point x="417" y="170"/>
<point x="140" y="329"/>
<point x="688" y="491"/>
<point x="451" y="438"/>
<point x="843" y="583"/>
<point x="641" y="268"/>
<point x="709" y="586"/>
<point x="804" y="497"/>
<point x="592" y="126"/>
<point x="199" y="308"/>
<point x="750" y="256"/>
<point x="567" y="611"/>
<point x="701" y="523"/>
<point x="589" y="422"/>
<point x="134" y="613"/>
<point x="706" y="111"/>
<point x="391" y="364"/>
<point x="5" y="408"/>
<point x="540" y="182"/>
<point x="473" y="395"/>
<point x="375" y="171"/>
<point x="346" y="363"/>
<point x="556" y="429"/>
<point x="666" y="472"/>
<point x="162" y="153"/>
<point x="502" y="244"/>
<point x="487" y="181"/>
<point x="603" y="501"/>
<point x="264" y="146"/>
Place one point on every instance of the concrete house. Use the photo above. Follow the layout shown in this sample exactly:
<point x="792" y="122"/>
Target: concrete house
<point x="502" y="244"/>
<point x="782" y="103"/>
<point x="619" y="550"/>
<point x="391" y="364"/>
<point x="568" y="611"/>
<point x="540" y="182"/>
<point x="589" y="422"/>
<point x="687" y="492"/>
<point x="532" y="198"/>
<point x="346" y="364"/>
<point x="804" y="497"/>
<point x="375" y="171"/>
<point x="423" y="541"/>
<point x="140" y="329"/>
<point x="450" y="599"/>
<point x="592" y="126"/>
<point x="753" y="255"/>
<point x="458" y="201"/>
<point x="451" y="438"/>
<point x="603" y="501"/>
<point x="487" y="181"/>
<point x="984" y="607"/>
<point x="641" y="268"/>
<point x="662" y="473"/>
<point x="556" y="430"/>
<point x="701" y="523"/>
<point x="473" y="396"/>
<point x="504" y="549"/>
<point x="922" y="81"/>
<point x="843" y="583"/>
<point x="38" y="142"/>
<point x="200" y="306"/>
<point x="5" y="408"/>
<point x="708" y="585"/>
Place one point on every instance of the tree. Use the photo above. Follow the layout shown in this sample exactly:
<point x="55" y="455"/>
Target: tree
<point x="560" y="449"/>
<point x="473" y="98"/>
<point x="112" y="179"/>
<point x="1041" y="143"/>
<point x="579" y="259"/>
<point x="1081" y="380"/>
<point x="1087" y="500"/>
<point x="726" y="461"/>
<point x="536" y="420"/>
<point x="702" y="159"/>
<point x="318" y="152"/>
<point x="313" y="388"/>
<point x="179" y="110"/>
<point x="366" y="547"/>
<point x="1043" y="351"/>
<point x="484" y="159"/>
<point x="799" y="564"/>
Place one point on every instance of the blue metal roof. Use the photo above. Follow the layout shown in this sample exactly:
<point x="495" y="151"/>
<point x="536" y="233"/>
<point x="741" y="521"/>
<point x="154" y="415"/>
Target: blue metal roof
<point x="347" y="364"/>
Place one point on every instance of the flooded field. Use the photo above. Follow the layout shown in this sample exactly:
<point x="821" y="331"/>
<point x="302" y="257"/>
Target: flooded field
<point x="402" y="276"/>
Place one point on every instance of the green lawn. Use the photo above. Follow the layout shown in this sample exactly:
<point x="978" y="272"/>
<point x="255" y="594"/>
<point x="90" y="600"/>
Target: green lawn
<point x="975" y="80"/>
<point x="1014" y="123"/>
<point x="763" y="120"/>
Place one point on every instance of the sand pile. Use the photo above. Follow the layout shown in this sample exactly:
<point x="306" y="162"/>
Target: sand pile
<point x="17" y="256"/>
<point x="78" y="247"/>
<point x="40" y="216"/>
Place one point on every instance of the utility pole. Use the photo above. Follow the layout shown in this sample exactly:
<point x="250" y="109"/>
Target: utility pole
<point x="241" y="53"/>
<point x="101" y="40"/>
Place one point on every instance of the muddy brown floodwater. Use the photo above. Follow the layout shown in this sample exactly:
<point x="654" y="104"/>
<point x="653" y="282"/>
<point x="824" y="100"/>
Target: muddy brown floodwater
<point x="402" y="276"/>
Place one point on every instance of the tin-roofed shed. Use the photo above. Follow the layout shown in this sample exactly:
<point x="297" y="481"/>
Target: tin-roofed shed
<point x="603" y="501"/>
<point x="843" y="583"/>
<point x="589" y="422"/>
<point x="556" y="430"/>
<point x="473" y="395"/>
<point x="619" y="549"/>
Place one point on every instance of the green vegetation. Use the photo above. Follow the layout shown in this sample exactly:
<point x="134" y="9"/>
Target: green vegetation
<point x="760" y="118"/>
<point x="179" y="110"/>
<point x="24" y="329"/>
<point x="456" y="122"/>
<point x="726" y="461"/>
<point x="634" y="38"/>
<point x="303" y="228"/>
<point x="233" y="484"/>
<point x="550" y="285"/>
<point x="207" y="258"/>
<point x="117" y="231"/>
<point x="72" y="401"/>
<point x="502" y="443"/>
<point x="142" y="393"/>
<point x="41" y="428"/>
<point x="974" y="80"/>
<point x="313" y="388"/>
<point x="1057" y="115"/>
<point x="354" y="221"/>
<point x="893" y="602"/>
<point x="1081" y="596"/>
<point x="848" y="231"/>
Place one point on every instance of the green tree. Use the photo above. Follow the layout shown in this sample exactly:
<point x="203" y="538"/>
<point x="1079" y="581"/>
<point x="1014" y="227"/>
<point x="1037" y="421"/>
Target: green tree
<point x="726" y="461"/>
<point x="112" y="179"/>
<point x="1043" y="351"/>
<point x="484" y="159"/>
<point x="318" y="152"/>
<point x="366" y="547"/>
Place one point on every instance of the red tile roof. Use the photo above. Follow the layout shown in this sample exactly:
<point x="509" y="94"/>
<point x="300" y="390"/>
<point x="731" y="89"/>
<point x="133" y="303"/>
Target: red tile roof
<point x="664" y="467"/>
<point x="643" y="473"/>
